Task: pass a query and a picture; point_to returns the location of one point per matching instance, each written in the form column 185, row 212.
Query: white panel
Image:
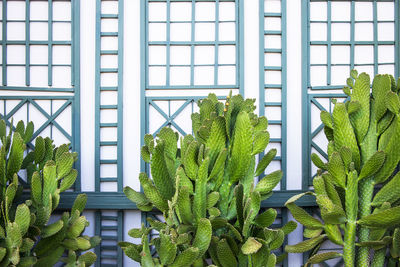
column 39, row 10
column 16, row 76
column 272, row 41
column 158, row 54
column 181, row 11
column 157, row 76
column 108, row 116
column 273, row 77
column 178, row 55
column 205, row 11
column 180, row 76
column 61, row 76
column 157, row 32
column 318, row 54
column 226, row 75
column 386, row 69
column 109, row 79
column 273, row 59
column 364, row 32
column 340, row 54
column 317, row 75
column 39, row 31
column 273, row 95
column 317, row 11
column 385, row 31
column 109, row 98
column 108, row 187
column 364, row 54
column 15, row 10
column 339, row 74
column 226, row 11
column 109, row 43
column 108, row 170
column 20, row 114
column 363, row 11
column 58, row 137
column 204, row 54
column 39, row 76
column 203, row 75
column 15, row 54
column 39, row 54
column 15, row 31
column 205, row 32
column 108, row 134
column 227, row 54
column 61, row 31
column 271, row 6
column 318, row 32
column 109, row 7
column 183, row 119
column 62, row 10
column 272, row 24
column 109, row 25
column 294, row 104
column 340, row 11
column 385, row 11
column 385, row 53
column 157, row 11
column 109, row 61
column 340, row 32
column 227, row 31
column 274, row 131
column 36, row 116
column 180, row 32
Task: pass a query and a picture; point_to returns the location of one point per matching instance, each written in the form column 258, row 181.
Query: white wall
column 131, row 85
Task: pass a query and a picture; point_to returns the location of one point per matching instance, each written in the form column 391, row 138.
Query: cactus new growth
column 357, row 190
column 26, row 238
column 204, row 188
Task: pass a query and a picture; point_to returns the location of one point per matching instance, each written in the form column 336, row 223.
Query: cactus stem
column 351, row 200
column 349, row 244
column 366, row 193
column 379, row 258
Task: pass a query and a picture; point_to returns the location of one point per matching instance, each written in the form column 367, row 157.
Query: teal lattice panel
column 109, row 125
column 316, row 138
column 346, row 35
column 339, row 36
column 27, row 32
column 192, row 44
column 109, row 225
column 109, row 43
column 187, row 45
column 272, row 100
column 40, row 68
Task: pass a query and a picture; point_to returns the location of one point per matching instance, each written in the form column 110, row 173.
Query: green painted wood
column 109, row 255
column 118, row 200
column 263, row 87
column 116, row 126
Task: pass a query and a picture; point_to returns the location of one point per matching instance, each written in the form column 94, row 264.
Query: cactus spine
column 363, row 151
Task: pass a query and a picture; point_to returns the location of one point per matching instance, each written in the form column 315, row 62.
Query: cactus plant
column 356, row 190
column 205, row 191
column 26, row 238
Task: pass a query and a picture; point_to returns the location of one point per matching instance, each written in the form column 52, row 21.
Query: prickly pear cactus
column 357, row 190
column 204, row 188
column 26, row 238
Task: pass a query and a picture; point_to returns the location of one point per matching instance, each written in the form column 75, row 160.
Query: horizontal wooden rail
column 118, row 201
